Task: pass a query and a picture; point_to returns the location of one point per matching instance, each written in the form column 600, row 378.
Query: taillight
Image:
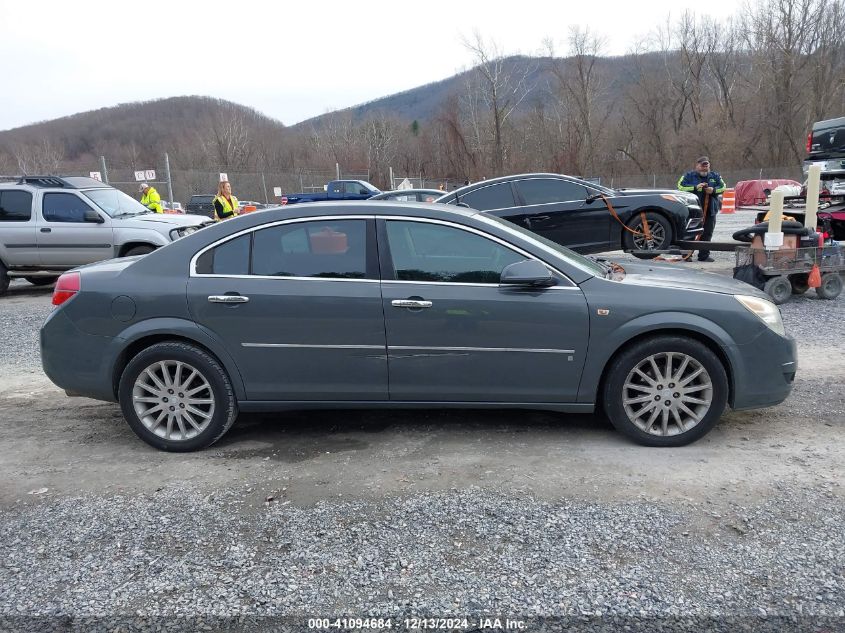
column 809, row 142
column 66, row 287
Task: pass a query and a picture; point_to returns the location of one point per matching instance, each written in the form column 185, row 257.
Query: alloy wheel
column 667, row 394
column 658, row 236
column 173, row 400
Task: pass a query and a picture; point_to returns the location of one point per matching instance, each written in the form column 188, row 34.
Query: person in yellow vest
column 150, row 198
column 225, row 204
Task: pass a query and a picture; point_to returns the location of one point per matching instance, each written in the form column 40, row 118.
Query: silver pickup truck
column 50, row 224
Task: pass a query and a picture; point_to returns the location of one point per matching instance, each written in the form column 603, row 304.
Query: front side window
column 321, row 248
column 434, row 252
column 15, row 206
column 497, row 196
column 545, row 190
column 64, row 207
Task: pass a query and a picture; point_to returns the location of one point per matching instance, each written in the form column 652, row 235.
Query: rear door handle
column 410, row 303
column 46, row 229
column 227, row 299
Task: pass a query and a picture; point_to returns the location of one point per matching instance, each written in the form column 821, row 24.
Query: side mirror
column 93, row 216
column 527, row 273
column 363, row 192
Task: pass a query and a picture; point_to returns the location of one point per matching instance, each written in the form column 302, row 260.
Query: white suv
column 50, row 224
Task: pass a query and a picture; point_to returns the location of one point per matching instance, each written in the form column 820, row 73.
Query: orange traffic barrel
column 729, row 201
column 248, row 208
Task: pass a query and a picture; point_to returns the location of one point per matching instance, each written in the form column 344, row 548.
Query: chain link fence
column 260, row 186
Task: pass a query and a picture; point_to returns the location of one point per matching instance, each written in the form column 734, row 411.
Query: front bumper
column 695, row 223
column 764, row 371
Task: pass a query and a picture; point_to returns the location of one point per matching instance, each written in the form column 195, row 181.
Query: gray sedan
column 407, row 305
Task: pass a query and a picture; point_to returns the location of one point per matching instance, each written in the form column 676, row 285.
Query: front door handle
column 227, row 299
column 410, row 303
column 46, row 229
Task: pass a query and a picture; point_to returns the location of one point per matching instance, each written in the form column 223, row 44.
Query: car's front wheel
column 138, row 250
column 4, row 279
column 177, row 397
column 665, row 391
column 658, row 237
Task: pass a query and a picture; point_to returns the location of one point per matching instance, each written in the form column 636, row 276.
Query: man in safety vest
column 707, row 185
column 225, row 204
column 150, row 198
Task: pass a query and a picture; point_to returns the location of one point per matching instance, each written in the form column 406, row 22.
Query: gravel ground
column 424, row 514
column 461, row 552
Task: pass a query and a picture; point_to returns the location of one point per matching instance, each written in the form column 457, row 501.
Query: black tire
column 779, row 289
column 831, row 286
column 224, row 409
column 4, row 279
column 622, row 368
column 799, row 283
column 661, row 230
column 138, row 250
column 41, row 281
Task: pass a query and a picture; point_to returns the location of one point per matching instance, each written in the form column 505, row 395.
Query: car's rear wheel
column 41, row 281
column 665, row 391
column 659, row 235
column 138, row 250
column 177, row 397
column 4, row 279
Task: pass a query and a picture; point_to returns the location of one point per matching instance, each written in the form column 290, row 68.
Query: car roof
column 493, row 181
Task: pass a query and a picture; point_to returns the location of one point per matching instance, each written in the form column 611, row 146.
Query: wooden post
column 813, row 185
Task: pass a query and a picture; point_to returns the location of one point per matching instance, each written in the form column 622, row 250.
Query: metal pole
column 264, row 184
column 337, row 170
column 392, row 183
column 105, row 171
column 169, row 179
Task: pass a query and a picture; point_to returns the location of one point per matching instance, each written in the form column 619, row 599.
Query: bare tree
column 39, row 158
column 501, row 85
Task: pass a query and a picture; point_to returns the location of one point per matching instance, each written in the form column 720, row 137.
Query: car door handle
column 46, row 229
column 410, row 303
column 227, row 299
column 540, row 218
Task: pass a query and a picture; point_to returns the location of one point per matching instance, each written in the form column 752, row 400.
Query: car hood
column 174, row 220
column 671, row 276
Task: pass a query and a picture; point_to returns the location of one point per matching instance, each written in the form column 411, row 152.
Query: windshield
column 115, row 202
column 571, row 257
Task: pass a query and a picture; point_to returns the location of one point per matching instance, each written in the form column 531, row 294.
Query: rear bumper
column 77, row 362
column 764, row 372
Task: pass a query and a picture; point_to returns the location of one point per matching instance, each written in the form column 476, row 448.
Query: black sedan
column 364, row 304
column 586, row 217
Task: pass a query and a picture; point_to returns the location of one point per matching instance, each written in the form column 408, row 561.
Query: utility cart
column 786, row 271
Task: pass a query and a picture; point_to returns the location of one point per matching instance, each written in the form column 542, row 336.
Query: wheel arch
column 138, row 341
column 125, row 248
column 715, row 340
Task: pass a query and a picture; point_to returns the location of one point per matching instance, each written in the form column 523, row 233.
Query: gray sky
column 289, row 60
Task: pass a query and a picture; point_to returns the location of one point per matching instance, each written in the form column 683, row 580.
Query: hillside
column 425, row 102
column 136, row 130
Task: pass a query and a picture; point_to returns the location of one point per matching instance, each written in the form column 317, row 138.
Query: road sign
column 277, row 191
column 224, row 177
column 151, row 174
column 96, row 175
column 140, row 175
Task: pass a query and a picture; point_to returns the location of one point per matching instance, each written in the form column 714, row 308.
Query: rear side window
column 230, row 258
column 64, row 207
column 15, row 206
column 545, row 190
column 334, row 249
column 497, row 196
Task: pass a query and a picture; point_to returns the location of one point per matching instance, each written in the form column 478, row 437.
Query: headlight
column 175, row 234
column 766, row 310
column 688, row 199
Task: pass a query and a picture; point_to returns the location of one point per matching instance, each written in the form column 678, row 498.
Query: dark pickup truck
column 201, row 205
column 335, row 190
